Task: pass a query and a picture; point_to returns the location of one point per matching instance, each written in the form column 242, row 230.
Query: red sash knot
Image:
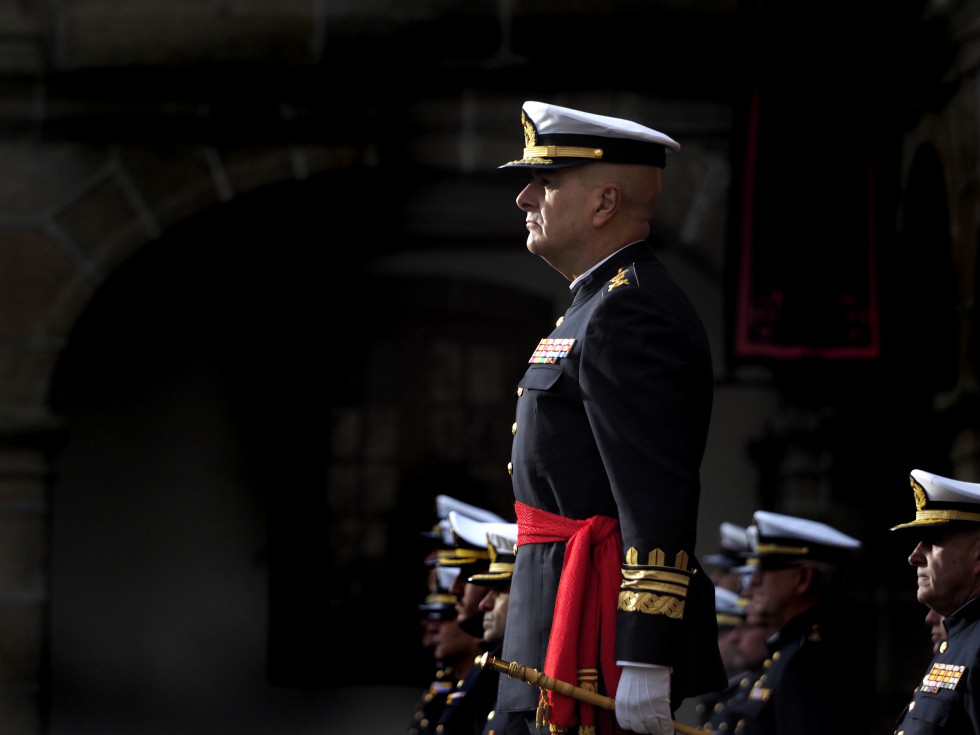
column 583, row 631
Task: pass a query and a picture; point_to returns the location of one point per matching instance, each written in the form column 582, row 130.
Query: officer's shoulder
column 625, row 277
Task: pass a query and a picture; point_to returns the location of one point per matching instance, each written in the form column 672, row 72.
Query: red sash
column 583, row 631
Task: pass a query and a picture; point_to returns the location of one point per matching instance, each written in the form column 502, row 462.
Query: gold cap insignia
column 920, row 495
column 530, row 134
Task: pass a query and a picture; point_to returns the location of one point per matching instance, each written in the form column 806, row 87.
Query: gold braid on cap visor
column 938, row 516
column 778, row 549
column 544, row 153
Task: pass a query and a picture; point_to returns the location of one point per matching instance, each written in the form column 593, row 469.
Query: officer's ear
column 608, row 200
column 805, row 578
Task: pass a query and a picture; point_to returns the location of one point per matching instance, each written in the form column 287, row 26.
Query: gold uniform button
column 911, row 706
column 513, row 429
column 510, row 468
column 560, row 320
column 520, row 391
column 942, row 647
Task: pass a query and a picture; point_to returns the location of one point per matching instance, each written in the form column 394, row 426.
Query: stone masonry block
column 172, row 182
column 34, row 271
column 39, row 176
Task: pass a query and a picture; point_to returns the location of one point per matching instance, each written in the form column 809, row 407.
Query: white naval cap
column 443, row 531
column 557, row 137
column 733, row 543
column 941, row 501
column 501, row 540
column 469, row 551
column 445, row 504
column 441, row 604
column 776, row 540
column 730, row 609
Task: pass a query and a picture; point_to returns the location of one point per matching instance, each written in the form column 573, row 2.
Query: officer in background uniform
column 750, row 641
column 946, row 555
column 795, row 589
column 495, row 606
column 454, row 649
column 472, row 700
column 611, row 421
column 732, row 544
column 730, row 613
column 438, row 611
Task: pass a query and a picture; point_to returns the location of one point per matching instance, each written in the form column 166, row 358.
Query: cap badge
column 920, row 495
column 530, row 134
column 942, row 676
column 550, row 350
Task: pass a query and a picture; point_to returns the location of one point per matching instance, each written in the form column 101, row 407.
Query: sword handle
column 543, row 681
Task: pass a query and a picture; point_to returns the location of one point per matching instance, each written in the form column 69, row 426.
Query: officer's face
column 774, row 594
column 468, row 605
column 495, row 606
column 557, row 215
column 947, row 568
column 452, row 643
column 750, row 642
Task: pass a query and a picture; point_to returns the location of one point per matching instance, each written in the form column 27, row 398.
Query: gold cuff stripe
column 946, row 515
column 500, row 567
column 561, row 151
column 649, row 586
column 656, row 575
column 650, row 604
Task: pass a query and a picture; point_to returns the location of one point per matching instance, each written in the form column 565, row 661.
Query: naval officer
column 611, row 421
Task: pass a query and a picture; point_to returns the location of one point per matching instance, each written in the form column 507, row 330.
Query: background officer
column 946, row 557
column 795, row 591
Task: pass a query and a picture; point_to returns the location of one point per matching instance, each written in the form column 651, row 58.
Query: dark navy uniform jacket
column 948, row 698
column 469, row 706
column 614, row 424
column 810, row 667
column 434, row 701
column 714, row 711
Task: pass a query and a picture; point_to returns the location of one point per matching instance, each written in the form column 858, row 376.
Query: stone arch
column 288, row 384
column 72, row 212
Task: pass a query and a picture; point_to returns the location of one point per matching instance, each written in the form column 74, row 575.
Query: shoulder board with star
column 626, row 276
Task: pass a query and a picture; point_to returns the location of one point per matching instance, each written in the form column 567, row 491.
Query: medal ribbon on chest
column 942, row 676
column 550, row 350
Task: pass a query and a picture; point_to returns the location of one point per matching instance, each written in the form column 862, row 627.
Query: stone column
column 25, row 469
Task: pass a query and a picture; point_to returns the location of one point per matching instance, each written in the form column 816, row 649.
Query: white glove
column 643, row 699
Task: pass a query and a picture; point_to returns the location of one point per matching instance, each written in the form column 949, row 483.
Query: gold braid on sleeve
column 654, row 588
